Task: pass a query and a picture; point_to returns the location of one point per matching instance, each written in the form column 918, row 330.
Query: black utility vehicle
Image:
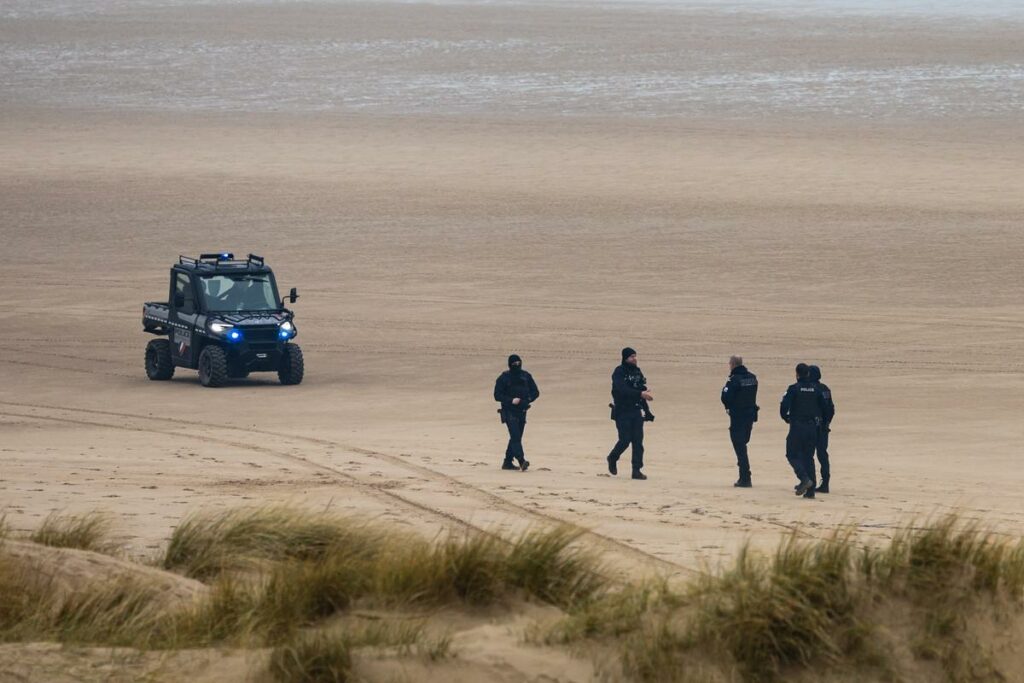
column 223, row 317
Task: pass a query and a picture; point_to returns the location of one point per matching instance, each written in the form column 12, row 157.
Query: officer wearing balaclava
column 516, row 391
column 630, row 411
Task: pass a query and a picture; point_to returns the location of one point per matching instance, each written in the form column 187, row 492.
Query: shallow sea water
column 522, row 72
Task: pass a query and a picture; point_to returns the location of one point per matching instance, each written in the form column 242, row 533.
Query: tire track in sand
column 496, row 502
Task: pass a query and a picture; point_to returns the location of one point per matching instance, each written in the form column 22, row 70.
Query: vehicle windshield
column 227, row 293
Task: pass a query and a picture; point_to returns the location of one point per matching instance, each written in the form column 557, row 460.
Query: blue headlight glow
column 234, row 334
column 286, row 330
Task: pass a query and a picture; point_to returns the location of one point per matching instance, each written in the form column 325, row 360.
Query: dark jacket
column 739, row 395
column 627, row 385
column 516, row 385
column 830, row 406
column 803, row 401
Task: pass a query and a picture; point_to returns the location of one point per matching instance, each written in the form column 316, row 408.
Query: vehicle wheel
column 213, row 367
column 159, row 365
column 292, row 367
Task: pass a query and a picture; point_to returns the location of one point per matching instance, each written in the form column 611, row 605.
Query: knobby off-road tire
column 292, row 366
column 213, row 367
column 159, row 365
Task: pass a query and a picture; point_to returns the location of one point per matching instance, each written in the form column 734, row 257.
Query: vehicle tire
column 213, row 367
column 292, row 366
column 159, row 366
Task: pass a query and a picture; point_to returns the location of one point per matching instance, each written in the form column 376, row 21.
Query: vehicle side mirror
column 293, row 295
column 179, row 300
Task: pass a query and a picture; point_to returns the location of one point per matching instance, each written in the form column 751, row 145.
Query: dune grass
column 206, row 545
column 947, row 570
column 281, row 577
column 20, row 592
column 320, row 658
column 317, row 564
column 327, row 656
column 90, row 531
column 276, row 571
column 813, row 604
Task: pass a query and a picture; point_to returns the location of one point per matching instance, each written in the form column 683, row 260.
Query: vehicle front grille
column 262, row 334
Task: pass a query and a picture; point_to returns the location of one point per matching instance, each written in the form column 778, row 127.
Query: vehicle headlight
column 286, row 330
column 219, row 327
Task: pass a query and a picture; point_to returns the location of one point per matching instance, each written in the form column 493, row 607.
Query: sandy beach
column 557, row 181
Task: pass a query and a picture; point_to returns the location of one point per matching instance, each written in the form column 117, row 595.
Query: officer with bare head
column 739, row 396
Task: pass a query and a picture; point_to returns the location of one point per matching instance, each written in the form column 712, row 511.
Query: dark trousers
column 822, row 446
column 800, row 444
column 739, row 433
column 516, row 423
column 631, row 432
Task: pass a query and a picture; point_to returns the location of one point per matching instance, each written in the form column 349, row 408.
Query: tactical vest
column 805, row 404
column 746, row 393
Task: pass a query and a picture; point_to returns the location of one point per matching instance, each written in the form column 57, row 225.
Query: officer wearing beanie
column 515, row 390
column 826, row 427
column 739, row 396
column 630, row 411
column 803, row 407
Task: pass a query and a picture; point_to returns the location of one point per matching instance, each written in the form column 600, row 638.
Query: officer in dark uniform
column 739, row 396
column 630, row 411
column 826, row 427
column 516, row 391
column 803, row 407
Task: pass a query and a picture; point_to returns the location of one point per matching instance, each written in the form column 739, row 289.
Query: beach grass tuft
column 90, row 531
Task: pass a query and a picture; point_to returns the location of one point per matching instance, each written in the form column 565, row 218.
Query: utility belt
column 745, row 414
column 624, row 410
column 639, row 408
column 805, row 420
column 504, row 413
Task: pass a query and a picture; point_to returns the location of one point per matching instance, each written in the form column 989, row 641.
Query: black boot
column 524, row 464
column 613, row 468
column 743, row 483
column 823, row 488
column 637, row 474
column 804, row 486
column 810, row 493
column 507, row 465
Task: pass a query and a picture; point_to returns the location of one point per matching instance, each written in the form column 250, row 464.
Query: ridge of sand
column 70, row 569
